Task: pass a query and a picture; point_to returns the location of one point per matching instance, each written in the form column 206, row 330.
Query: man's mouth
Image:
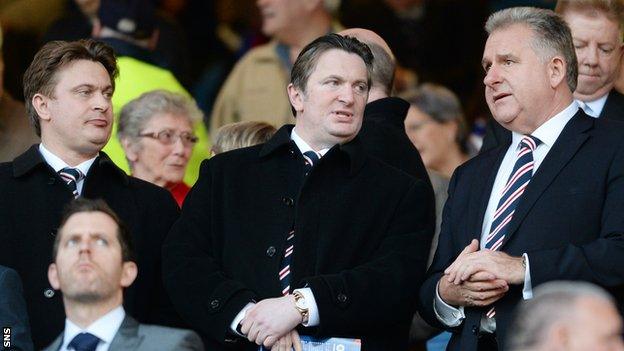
column 499, row 96
column 343, row 113
column 98, row 122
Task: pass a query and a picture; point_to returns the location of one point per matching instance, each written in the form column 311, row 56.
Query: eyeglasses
column 168, row 137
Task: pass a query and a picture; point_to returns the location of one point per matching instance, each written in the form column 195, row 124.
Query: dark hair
column 41, row 75
column 81, row 205
column 309, row 56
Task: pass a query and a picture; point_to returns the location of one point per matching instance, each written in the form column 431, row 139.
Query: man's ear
column 557, row 71
column 41, row 104
column 128, row 274
column 296, row 98
column 53, row 276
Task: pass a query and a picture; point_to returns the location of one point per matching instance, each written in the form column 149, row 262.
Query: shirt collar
column 303, row 146
column 550, row 130
column 57, row 163
column 597, row 105
column 104, row 328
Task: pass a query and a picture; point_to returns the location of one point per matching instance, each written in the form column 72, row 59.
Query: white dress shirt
column 548, row 134
column 313, row 314
column 57, row 164
column 105, row 328
column 593, row 108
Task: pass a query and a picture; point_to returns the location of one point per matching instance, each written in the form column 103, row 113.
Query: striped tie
column 511, row 195
column 310, row 158
column 71, row 176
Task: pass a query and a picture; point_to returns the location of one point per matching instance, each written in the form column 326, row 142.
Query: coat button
column 271, row 251
column 342, row 298
column 475, row 330
column 288, row 201
column 215, row 304
column 51, row 180
column 49, row 293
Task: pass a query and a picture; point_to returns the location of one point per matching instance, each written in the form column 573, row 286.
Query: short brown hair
column 40, row 77
column 241, row 134
column 81, row 205
column 612, row 9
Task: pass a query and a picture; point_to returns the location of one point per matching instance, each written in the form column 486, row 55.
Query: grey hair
column 551, row 35
column 135, row 115
column 443, row 106
column 552, row 302
column 383, row 68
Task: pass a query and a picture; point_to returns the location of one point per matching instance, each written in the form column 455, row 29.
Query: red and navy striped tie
column 310, row 158
column 71, row 176
column 511, row 195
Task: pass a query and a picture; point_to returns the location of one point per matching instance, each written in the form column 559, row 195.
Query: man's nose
column 492, row 76
column 346, row 95
column 101, row 103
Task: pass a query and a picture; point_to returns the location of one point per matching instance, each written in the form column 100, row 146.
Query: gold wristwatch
column 301, row 306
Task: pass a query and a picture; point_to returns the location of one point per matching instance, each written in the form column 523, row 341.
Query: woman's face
column 433, row 140
column 163, row 151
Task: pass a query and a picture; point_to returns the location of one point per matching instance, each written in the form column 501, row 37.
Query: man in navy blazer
column 13, row 315
column 564, row 221
column 597, row 33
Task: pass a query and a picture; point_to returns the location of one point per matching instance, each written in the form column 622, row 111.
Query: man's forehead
column 508, row 40
column 334, row 62
column 90, row 222
column 83, row 72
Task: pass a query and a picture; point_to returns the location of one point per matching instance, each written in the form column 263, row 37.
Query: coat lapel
column 564, row 149
column 127, row 337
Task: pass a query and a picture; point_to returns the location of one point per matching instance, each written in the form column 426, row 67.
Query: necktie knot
column 84, row 342
column 311, row 158
column 71, row 176
column 530, row 142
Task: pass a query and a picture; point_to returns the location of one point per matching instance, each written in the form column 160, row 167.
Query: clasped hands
column 272, row 323
column 480, row 277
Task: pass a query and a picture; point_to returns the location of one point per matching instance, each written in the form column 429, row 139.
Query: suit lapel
column 564, row 149
column 127, row 337
column 481, row 190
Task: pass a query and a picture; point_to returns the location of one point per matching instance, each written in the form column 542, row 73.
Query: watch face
column 301, row 303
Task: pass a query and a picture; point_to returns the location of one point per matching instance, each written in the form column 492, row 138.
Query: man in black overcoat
column 305, row 234
column 68, row 89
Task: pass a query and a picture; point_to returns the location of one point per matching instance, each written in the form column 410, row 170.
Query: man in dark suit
column 13, row 313
column 305, row 233
column 93, row 262
column 68, row 89
column 597, row 33
column 545, row 206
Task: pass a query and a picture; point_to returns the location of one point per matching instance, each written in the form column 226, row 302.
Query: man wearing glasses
column 68, row 89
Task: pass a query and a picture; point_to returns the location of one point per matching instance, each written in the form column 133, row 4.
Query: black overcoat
column 361, row 241
column 32, row 197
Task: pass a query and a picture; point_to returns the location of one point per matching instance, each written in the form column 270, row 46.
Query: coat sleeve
column 13, row 310
column 201, row 292
column 381, row 291
column 600, row 261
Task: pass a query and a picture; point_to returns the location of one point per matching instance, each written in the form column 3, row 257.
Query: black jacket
column 33, row 197
column 361, row 241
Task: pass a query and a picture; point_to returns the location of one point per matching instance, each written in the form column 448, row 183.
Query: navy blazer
column 570, row 219
column 13, row 313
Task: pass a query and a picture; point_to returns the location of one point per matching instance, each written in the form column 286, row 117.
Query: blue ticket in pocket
column 327, row 344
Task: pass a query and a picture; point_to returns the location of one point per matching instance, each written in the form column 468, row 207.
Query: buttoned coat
column 32, row 197
column 361, row 241
column 569, row 220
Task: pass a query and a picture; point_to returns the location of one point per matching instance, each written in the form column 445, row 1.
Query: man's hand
column 497, row 263
column 288, row 342
column 481, row 290
column 270, row 319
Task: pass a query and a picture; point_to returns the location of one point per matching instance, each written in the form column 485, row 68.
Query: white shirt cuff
column 527, row 290
column 239, row 317
column 313, row 314
column 447, row 314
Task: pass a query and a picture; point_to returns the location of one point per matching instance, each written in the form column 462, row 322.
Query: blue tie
column 310, row 158
column 511, row 196
column 84, row 342
column 71, row 176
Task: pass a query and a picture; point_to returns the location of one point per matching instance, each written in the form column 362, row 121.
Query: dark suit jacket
column 13, row 311
column 133, row 336
column 569, row 220
column 361, row 241
column 496, row 135
column 33, row 197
